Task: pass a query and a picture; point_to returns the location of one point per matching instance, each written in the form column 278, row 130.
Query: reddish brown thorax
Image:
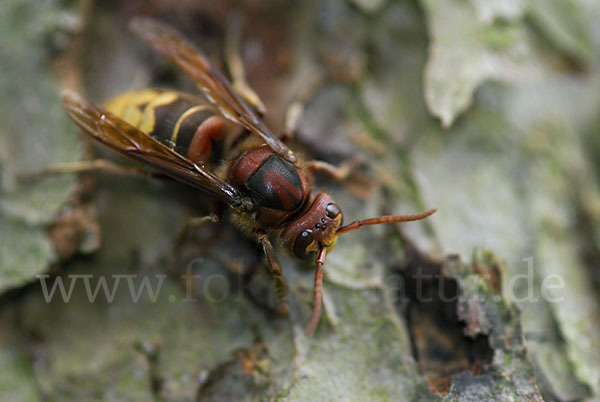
column 278, row 188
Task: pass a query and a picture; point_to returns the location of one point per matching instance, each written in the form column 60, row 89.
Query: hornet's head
column 311, row 235
column 314, row 230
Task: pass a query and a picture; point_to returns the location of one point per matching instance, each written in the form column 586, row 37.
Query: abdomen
column 183, row 122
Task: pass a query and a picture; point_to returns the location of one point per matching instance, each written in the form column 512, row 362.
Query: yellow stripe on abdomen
column 147, row 119
column 187, row 113
column 130, row 106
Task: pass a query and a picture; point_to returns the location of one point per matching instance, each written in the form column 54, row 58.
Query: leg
column 234, row 266
column 191, row 224
column 275, row 270
column 338, row 173
column 85, row 166
column 295, row 109
column 236, row 66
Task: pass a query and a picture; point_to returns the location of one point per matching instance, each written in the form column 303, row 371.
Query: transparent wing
column 211, row 81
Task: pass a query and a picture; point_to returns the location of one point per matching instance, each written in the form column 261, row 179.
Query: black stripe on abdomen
column 166, row 118
column 188, row 126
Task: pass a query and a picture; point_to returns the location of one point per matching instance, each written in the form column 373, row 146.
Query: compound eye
column 304, row 239
column 332, row 210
